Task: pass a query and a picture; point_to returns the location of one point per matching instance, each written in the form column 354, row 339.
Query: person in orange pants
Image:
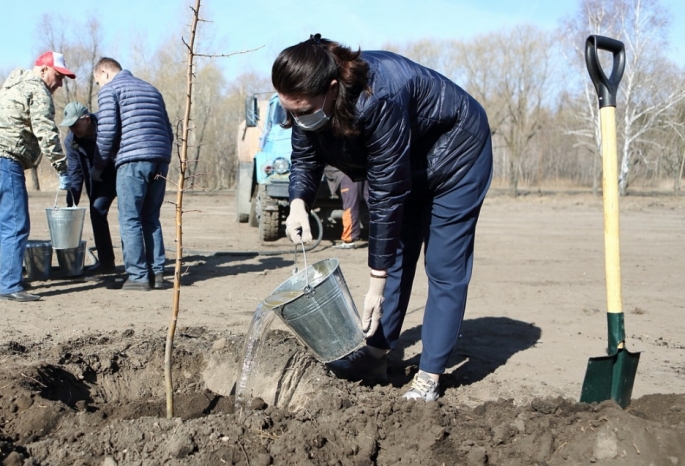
column 352, row 194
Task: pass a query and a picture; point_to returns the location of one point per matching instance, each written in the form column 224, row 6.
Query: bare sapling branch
column 183, row 162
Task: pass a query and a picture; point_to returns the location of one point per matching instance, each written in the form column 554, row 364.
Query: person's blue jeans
column 141, row 193
column 445, row 224
column 14, row 225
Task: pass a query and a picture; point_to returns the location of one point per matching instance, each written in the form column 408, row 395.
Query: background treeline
column 533, row 84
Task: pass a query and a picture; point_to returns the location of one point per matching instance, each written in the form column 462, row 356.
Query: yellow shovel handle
column 612, row 262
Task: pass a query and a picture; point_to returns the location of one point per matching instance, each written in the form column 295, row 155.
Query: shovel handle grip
column 607, row 88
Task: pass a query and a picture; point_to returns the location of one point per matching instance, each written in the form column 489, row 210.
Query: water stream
column 254, row 340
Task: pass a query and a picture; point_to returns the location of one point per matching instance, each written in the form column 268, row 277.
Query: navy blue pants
column 444, row 224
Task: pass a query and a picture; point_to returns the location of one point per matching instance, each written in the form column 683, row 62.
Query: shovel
column 612, row 376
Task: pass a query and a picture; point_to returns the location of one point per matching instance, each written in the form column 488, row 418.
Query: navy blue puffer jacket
column 133, row 124
column 420, row 131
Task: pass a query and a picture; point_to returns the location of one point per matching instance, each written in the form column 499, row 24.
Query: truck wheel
column 253, row 219
column 243, row 218
column 243, row 191
column 269, row 219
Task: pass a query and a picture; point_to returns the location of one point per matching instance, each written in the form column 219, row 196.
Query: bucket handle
column 57, row 197
column 308, row 290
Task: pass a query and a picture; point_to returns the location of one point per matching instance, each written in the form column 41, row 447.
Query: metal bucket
column 71, row 261
column 38, row 260
column 66, row 226
column 325, row 318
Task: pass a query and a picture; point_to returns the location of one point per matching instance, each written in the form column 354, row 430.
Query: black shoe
column 20, row 296
column 101, row 269
column 135, row 286
column 361, row 365
column 158, row 282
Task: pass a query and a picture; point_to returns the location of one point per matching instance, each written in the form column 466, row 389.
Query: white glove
column 373, row 310
column 297, row 224
column 64, row 183
column 95, row 174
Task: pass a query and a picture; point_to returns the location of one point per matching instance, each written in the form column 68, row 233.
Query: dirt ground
column 81, row 372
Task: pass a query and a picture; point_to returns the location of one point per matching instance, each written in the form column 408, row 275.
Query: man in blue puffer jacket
column 134, row 130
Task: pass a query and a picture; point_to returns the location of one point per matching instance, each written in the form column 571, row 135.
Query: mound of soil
column 100, row 400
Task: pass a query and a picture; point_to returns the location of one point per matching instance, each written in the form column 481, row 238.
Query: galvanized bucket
column 317, row 306
column 71, row 261
column 38, row 260
column 66, row 226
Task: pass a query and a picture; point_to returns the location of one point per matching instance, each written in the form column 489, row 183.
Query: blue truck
column 263, row 170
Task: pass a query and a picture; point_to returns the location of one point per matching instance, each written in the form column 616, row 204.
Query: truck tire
column 253, row 219
column 243, row 191
column 242, row 218
column 269, row 219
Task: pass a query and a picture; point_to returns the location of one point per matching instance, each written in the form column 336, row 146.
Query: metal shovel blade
column 610, row 378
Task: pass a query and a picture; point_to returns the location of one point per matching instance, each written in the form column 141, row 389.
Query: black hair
column 309, row 67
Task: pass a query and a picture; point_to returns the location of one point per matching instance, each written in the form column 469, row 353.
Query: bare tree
column 644, row 24
column 183, row 163
column 81, row 45
column 593, row 17
column 643, row 95
column 508, row 73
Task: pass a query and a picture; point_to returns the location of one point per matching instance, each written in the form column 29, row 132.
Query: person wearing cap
column 134, row 131
column 27, row 131
column 82, row 149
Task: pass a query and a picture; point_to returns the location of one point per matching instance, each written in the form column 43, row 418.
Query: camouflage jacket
column 27, row 122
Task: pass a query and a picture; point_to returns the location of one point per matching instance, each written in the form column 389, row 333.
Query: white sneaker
column 423, row 387
column 344, row 245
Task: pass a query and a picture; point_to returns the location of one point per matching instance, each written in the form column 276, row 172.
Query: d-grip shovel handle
column 607, row 88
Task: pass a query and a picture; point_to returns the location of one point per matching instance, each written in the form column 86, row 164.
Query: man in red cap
column 27, row 131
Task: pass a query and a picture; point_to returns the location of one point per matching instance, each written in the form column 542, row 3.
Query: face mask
column 313, row 121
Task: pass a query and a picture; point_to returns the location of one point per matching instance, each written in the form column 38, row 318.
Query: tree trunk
column 513, row 179
column 34, row 185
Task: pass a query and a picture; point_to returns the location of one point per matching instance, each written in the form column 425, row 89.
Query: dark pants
column 101, row 196
column 445, row 223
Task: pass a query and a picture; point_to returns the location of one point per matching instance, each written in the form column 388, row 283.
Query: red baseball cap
column 55, row 60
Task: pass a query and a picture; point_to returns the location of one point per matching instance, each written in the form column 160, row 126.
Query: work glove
column 373, row 310
column 64, row 183
column 297, row 224
column 95, row 174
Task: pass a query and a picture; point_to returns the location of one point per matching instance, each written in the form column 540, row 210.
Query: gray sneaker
column 422, row 388
column 158, row 282
column 361, row 365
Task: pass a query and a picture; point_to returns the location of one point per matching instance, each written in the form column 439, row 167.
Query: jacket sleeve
column 74, row 169
column 109, row 126
column 307, row 168
column 171, row 131
column 42, row 111
column 387, row 132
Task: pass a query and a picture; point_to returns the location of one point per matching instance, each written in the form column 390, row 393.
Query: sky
column 240, row 26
